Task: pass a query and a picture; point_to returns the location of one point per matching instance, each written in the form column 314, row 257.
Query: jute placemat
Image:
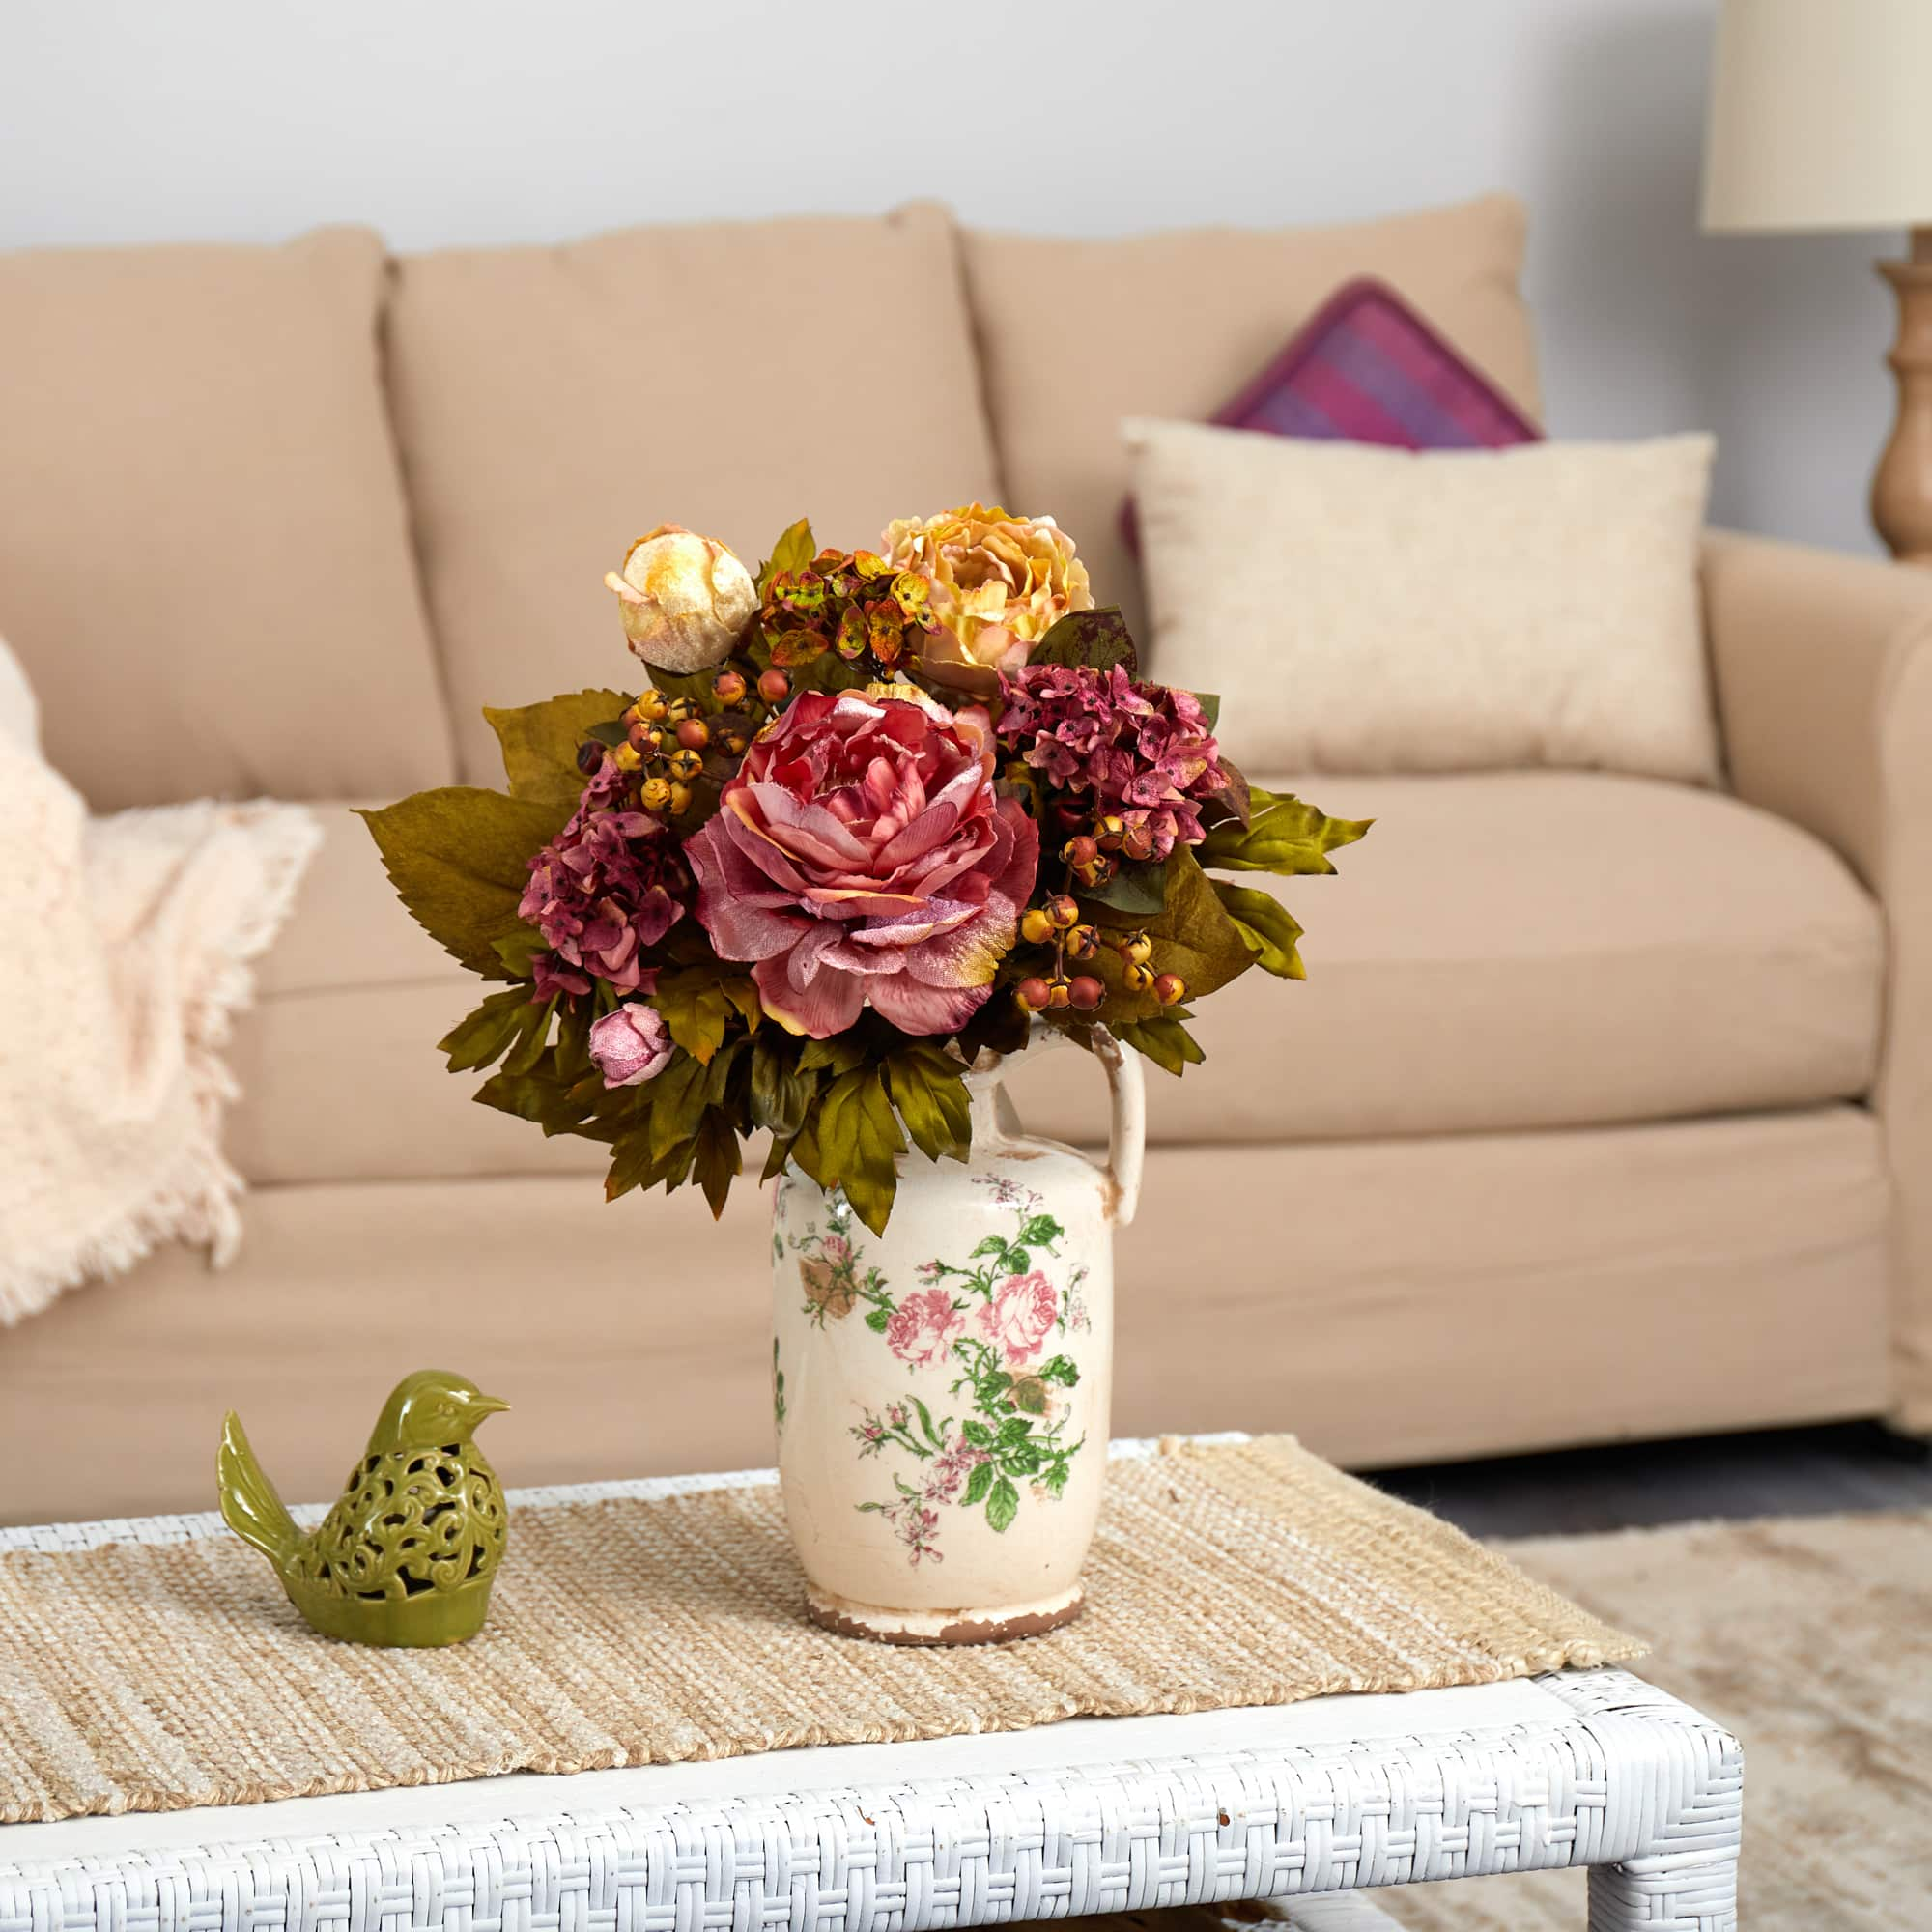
column 150, row 1676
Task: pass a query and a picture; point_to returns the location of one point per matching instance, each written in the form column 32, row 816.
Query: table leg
column 1668, row 1893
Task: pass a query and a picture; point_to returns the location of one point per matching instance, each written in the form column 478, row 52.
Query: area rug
column 1811, row 1639
column 165, row 1670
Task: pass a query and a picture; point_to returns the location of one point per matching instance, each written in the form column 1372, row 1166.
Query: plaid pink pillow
column 1367, row 368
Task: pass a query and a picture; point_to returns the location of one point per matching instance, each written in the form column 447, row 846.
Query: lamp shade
column 1821, row 115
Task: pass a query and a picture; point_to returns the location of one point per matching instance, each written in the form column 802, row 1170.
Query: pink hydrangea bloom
column 1020, row 1315
column 861, row 854
column 606, row 886
column 922, row 1326
column 631, row 1045
column 1141, row 750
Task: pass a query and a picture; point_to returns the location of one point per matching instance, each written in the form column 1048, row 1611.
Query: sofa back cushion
column 553, row 403
column 1076, row 335
column 205, row 560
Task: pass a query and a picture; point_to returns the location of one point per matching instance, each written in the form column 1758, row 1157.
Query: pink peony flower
column 631, row 1045
column 1020, row 1315
column 922, row 1326
column 860, row 854
column 607, row 883
column 1140, row 750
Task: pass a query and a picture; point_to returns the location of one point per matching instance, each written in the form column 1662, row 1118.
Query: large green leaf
column 540, row 742
column 1284, row 835
column 858, row 1141
column 1267, row 926
column 1192, row 935
column 928, row 1087
column 459, row 859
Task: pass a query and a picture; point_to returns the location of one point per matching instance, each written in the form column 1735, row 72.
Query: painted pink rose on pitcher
column 861, row 854
column 922, row 1326
column 1020, row 1315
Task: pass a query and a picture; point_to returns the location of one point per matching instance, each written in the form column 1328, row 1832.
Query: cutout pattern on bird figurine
column 405, row 1556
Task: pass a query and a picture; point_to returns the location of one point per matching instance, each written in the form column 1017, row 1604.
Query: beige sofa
column 1615, row 1121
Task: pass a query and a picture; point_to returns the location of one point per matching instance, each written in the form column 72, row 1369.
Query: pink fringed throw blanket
column 125, row 944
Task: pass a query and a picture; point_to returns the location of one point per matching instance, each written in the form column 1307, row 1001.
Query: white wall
column 127, row 120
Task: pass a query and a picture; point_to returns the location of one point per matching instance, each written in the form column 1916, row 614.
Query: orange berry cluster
column 665, row 739
column 1059, row 923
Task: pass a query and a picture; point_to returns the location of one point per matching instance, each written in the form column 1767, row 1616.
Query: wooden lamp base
column 1901, row 493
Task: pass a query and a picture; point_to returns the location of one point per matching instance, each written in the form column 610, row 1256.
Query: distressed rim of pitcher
column 1004, row 1623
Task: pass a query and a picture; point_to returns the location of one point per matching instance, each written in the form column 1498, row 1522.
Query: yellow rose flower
column 685, row 599
column 997, row 584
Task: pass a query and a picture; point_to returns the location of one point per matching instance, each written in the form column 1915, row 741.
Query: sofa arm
column 1823, row 666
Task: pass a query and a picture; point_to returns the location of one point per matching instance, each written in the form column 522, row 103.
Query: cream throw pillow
column 1372, row 610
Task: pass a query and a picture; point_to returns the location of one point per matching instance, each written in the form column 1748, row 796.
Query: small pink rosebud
column 631, row 1045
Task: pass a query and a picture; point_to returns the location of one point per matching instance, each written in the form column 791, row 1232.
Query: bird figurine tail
column 249, row 1504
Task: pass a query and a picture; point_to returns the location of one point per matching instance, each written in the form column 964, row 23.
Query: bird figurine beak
column 488, row 1404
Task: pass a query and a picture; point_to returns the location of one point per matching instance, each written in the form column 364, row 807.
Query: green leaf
column 1003, row 1504
column 1210, row 702
column 993, row 1244
column 979, row 1482
column 1041, row 1232
column 1163, row 1039
column 532, row 1037
column 459, row 859
column 933, row 1435
column 540, row 742
column 780, row 1093
column 696, row 1008
column 1061, row 1369
column 677, row 1103
column 977, row 1434
column 839, row 1053
column 859, row 1140
column 1268, row 927
column 716, row 1159
column 928, row 1087
column 878, row 1319
column 1284, row 835
column 1015, row 1261
column 1016, row 1428
column 1139, row 888
column 519, row 950
column 487, row 1033
column 1097, row 639
column 792, row 552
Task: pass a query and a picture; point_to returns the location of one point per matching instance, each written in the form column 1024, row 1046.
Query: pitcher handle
column 1126, row 1093
column 1127, row 1141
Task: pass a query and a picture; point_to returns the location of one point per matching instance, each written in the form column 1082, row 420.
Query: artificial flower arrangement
column 875, row 814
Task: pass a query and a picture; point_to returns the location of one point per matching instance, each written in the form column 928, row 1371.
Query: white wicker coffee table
column 1307, row 1805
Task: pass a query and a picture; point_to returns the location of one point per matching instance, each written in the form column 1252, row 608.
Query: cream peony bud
column 685, row 599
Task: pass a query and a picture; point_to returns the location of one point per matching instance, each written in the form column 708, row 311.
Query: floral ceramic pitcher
column 942, row 1391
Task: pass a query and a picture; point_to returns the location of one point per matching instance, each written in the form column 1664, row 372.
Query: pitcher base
column 1004, row 1622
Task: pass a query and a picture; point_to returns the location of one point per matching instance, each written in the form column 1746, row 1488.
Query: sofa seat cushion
column 205, row 560
column 554, row 404
column 1523, row 950
column 1077, row 335
column 1503, row 952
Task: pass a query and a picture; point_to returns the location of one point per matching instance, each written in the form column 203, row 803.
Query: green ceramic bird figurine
column 407, row 1554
